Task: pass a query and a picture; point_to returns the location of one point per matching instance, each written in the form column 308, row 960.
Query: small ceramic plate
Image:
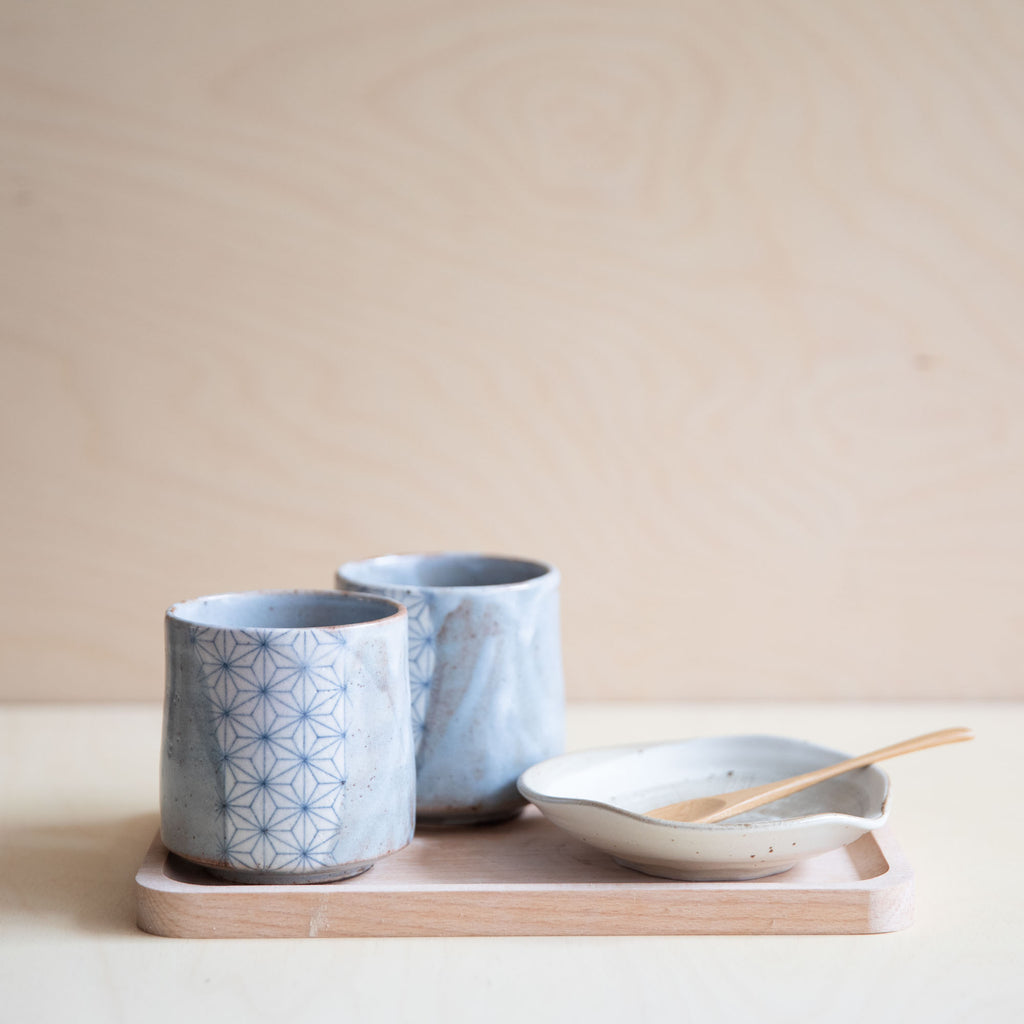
column 600, row 796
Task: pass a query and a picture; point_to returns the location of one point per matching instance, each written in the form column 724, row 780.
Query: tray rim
column 883, row 902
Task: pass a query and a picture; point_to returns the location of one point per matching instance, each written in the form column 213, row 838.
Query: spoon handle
column 727, row 805
column 930, row 739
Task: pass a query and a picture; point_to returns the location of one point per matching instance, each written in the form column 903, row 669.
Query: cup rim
column 547, row 571
column 396, row 610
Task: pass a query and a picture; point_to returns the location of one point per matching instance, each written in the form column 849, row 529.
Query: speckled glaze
column 287, row 750
column 486, row 674
column 601, row 796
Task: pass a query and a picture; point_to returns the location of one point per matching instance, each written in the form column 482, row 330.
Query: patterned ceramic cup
column 287, row 749
column 485, row 666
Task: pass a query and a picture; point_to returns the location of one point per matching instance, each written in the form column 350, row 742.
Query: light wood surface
column 528, row 878
column 716, row 306
column 78, row 809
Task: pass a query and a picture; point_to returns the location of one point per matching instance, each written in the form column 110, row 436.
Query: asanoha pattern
column 279, row 710
column 422, row 656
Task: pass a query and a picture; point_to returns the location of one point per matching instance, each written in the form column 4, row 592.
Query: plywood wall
column 719, row 306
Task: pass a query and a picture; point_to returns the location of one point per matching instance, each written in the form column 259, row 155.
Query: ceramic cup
column 287, row 749
column 485, row 666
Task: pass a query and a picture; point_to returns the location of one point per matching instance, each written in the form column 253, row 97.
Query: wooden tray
column 526, row 877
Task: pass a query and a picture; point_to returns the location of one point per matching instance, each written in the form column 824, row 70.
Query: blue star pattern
column 421, row 657
column 278, row 702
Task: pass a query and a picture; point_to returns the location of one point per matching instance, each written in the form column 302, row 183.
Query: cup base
column 457, row 819
column 247, row 876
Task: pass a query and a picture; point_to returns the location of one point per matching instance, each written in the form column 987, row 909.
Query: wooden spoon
column 707, row 809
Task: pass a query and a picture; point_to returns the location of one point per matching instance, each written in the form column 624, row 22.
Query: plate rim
column 868, row 823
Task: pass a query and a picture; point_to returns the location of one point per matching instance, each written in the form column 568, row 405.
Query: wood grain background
column 719, row 306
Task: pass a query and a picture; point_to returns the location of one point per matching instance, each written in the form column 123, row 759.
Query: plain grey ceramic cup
column 287, row 752
column 485, row 668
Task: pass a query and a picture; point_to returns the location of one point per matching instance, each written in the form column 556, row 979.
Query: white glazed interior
column 283, row 609
column 444, row 571
column 638, row 778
